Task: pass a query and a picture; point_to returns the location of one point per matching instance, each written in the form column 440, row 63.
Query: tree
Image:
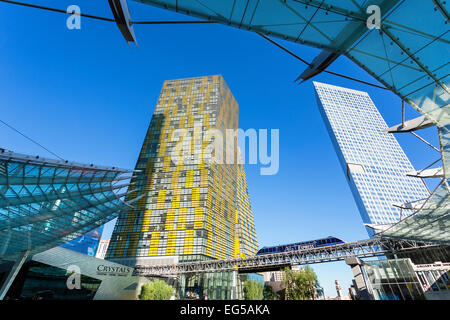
column 156, row 290
column 319, row 290
column 300, row 285
column 253, row 290
column 269, row 294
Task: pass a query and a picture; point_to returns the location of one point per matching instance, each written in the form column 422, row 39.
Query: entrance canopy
column 44, row 202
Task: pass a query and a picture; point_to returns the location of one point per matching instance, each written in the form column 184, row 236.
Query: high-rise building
column 373, row 161
column 246, row 243
column 102, row 249
column 273, row 276
column 193, row 204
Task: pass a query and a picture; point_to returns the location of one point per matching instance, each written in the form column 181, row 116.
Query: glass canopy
column 408, row 54
column 44, row 203
column 432, row 221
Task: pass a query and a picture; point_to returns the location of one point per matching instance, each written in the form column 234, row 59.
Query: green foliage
column 269, row 294
column 156, row 290
column 319, row 290
column 253, row 290
column 300, row 285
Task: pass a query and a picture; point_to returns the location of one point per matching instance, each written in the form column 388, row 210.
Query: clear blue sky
column 88, row 97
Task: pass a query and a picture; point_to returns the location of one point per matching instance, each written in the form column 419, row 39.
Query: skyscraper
column 373, row 161
column 192, row 206
column 246, row 242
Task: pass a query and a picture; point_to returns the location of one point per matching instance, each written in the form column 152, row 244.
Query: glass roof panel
column 432, row 221
column 36, row 215
column 404, row 57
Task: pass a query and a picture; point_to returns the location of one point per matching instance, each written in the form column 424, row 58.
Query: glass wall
column 38, row 281
column 434, row 280
column 211, row 286
column 393, row 280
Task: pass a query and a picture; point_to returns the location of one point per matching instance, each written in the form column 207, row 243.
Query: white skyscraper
column 102, row 249
column 373, row 161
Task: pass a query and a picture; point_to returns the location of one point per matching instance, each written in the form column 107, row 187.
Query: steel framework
column 46, row 202
column 362, row 249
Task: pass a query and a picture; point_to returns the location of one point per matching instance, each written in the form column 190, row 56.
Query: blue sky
column 88, row 97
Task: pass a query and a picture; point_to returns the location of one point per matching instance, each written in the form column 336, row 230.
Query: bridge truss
column 260, row 263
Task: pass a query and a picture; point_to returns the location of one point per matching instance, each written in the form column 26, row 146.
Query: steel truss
column 362, row 249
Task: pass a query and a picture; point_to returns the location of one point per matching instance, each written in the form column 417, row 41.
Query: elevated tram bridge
column 269, row 262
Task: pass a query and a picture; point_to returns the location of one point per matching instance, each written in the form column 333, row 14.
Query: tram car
column 330, row 241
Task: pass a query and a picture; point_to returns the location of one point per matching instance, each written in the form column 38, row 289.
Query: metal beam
column 414, row 58
column 76, row 192
column 46, row 202
column 442, row 9
column 427, row 173
column 411, row 125
column 122, row 17
column 7, row 155
column 13, row 274
column 26, row 180
column 318, row 65
column 378, row 227
column 362, row 249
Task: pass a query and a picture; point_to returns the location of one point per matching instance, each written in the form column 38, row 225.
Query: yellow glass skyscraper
column 193, row 204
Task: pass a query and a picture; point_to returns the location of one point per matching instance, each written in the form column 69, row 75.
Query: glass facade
column 195, row 204
column 373, row 161
column 38, row 281
column 393, row 280
column 60, row 273
column 213, row 286
column 191, row 205
column 425, row 255
column 45, row 203
column 245, row 228
column 432, row 222
column 437, row 280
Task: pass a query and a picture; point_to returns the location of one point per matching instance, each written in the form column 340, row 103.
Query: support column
column 234, row 293
column 13, row 273
column 362, row 289
column 181, row 285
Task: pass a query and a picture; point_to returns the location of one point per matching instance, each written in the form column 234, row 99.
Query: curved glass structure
column 45, row 203
column 432, row 221
column 408, row 53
